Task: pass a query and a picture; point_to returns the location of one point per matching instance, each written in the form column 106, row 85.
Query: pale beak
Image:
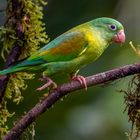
column 119, row 37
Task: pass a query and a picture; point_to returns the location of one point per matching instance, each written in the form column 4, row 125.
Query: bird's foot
column 80, row 79
column 49, row 83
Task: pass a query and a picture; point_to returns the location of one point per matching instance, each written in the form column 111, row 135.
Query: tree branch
column 65, row 89
column 13, row 20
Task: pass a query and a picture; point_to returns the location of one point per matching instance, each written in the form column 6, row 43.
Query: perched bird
column 72, row 50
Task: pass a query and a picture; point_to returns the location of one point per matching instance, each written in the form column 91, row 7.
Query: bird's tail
column 21, row 66
column 11, row 70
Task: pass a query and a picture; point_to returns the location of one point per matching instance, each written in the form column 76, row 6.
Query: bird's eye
column 112, row 27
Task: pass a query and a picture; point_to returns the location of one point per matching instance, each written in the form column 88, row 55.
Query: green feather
column 72, row 50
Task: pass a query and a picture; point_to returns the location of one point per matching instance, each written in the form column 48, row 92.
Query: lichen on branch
column 24, row 27
column 22, row 34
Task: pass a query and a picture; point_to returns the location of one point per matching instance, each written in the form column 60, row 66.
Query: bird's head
column 110, row 29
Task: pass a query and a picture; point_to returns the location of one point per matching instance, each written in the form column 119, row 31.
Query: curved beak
column 119, row 37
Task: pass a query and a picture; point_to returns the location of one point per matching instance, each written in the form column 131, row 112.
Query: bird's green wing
column 65, row 47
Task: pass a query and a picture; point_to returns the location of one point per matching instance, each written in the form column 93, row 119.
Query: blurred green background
column 98, row 113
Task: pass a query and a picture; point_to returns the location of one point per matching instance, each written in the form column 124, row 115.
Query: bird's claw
column 49, row 83
column 80, row 79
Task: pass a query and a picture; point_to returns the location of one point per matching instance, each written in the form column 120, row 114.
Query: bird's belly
column 91, row 55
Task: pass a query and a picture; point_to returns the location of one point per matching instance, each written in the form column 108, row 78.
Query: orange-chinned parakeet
column 72, row 50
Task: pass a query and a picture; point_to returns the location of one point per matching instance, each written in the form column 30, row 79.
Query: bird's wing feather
column 66, row 47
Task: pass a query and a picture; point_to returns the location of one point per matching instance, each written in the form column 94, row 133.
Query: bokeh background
column 98, row 113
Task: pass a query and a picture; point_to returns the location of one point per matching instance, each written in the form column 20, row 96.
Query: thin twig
column 65, row 89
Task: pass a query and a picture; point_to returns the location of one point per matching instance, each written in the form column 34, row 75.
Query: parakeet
column 72, row 50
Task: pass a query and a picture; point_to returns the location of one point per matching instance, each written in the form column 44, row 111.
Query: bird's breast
column 96, row 45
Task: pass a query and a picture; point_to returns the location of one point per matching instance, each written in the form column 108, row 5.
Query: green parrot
column 72, row 50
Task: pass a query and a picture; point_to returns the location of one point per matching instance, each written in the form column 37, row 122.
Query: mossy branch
column 22, row 34
column 16, row 48
column 66, row 89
